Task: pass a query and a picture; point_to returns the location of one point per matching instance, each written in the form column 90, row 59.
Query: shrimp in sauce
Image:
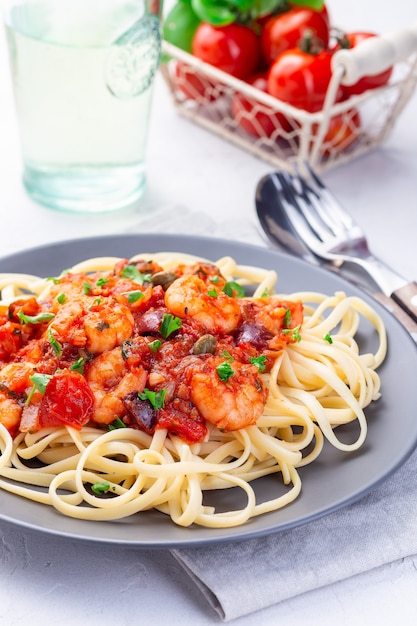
column 216, row 311
column 98, row 326
column 111, row 380
column 229, row 404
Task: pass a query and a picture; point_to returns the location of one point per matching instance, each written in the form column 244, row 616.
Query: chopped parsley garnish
column 56, row 346
column 287, row 318
column 259, row 361
column 61, row 298
column 40, row 382
column 87, row 288
column 265, row 293
column 133, row 296
column 227, row 356
column 233, row 289
column 35, row 319
column 132, row 273
column 57, row 279
column 100, row 487
column 117, row 423
column 102, row 281
column 224, row 371
column 169, row 325
column 213, row 293
column 294, row 332
column 214, row 279
column 328, row 338
column 78, row 366
column 154, row 345
column 156, row 398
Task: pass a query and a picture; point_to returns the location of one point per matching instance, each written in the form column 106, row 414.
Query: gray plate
column 335, row 480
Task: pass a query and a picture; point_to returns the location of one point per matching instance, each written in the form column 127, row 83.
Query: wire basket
column 278, row 132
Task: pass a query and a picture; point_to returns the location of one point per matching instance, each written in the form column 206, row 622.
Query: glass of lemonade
column 83, row 72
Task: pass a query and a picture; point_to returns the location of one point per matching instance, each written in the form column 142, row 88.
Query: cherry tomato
column 234, row 48
column 193, row 84
column 342, row 132
column 284, row 31
column 254, row 117
column 350, row 40
column 68, row 400
column 180, row 25
column 301, row 79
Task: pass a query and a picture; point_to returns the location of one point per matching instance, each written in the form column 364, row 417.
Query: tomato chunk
column 68, row 400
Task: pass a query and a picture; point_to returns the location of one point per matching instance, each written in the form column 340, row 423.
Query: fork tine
column 295, row 186
column 330, row 204
column 319, row 205
column 290, row 201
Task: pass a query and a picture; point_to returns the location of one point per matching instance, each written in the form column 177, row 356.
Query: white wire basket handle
column 363, row 121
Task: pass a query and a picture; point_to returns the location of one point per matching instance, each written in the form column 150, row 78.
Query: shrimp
column 273, row 314
column 231, row 405
column 190, row 296
column 10, row 413
column 209, row 273
column 98, row 325
column 14, row 383
column 110, row 380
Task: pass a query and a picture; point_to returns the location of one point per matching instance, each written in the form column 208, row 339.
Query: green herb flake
column 61, row 298
column 287, row 318
column 35, row 319
column 40, row 382
column 78, row 366
column 100, row 487
column 233, row 289
column 133, row 296
column 265, row 293
column 132, row 273
column 328, row 338
column 294, row 332
column 87, row 288
column 57, row 279
column 117, row 423
column 156, row 398
column 154, row 345
column 259, row 361
column 224, row 371
column 169, row 325
column 56, row 346
column 213, row 293
column 214, row 279
column 102, row 281
column 227, row 356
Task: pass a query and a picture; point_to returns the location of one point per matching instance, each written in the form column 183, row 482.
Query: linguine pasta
column 316, row 379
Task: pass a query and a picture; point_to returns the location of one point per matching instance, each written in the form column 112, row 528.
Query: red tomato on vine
column 193, row 84
column 234, row 48
column 301, row 79
column 342, row 132
column 284, row 31
column 256, row 118
column 351, row 40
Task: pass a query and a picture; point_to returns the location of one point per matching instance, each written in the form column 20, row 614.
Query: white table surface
column 46, row 580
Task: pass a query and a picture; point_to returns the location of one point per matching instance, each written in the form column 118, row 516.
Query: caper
column 206, row 344
column 164, row 279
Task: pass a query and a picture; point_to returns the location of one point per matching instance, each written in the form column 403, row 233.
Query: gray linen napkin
column 240, row 578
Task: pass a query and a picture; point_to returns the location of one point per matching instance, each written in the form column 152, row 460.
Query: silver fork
column 331, row 234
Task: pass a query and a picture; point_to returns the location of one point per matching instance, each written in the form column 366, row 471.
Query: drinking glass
column 83, row 73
